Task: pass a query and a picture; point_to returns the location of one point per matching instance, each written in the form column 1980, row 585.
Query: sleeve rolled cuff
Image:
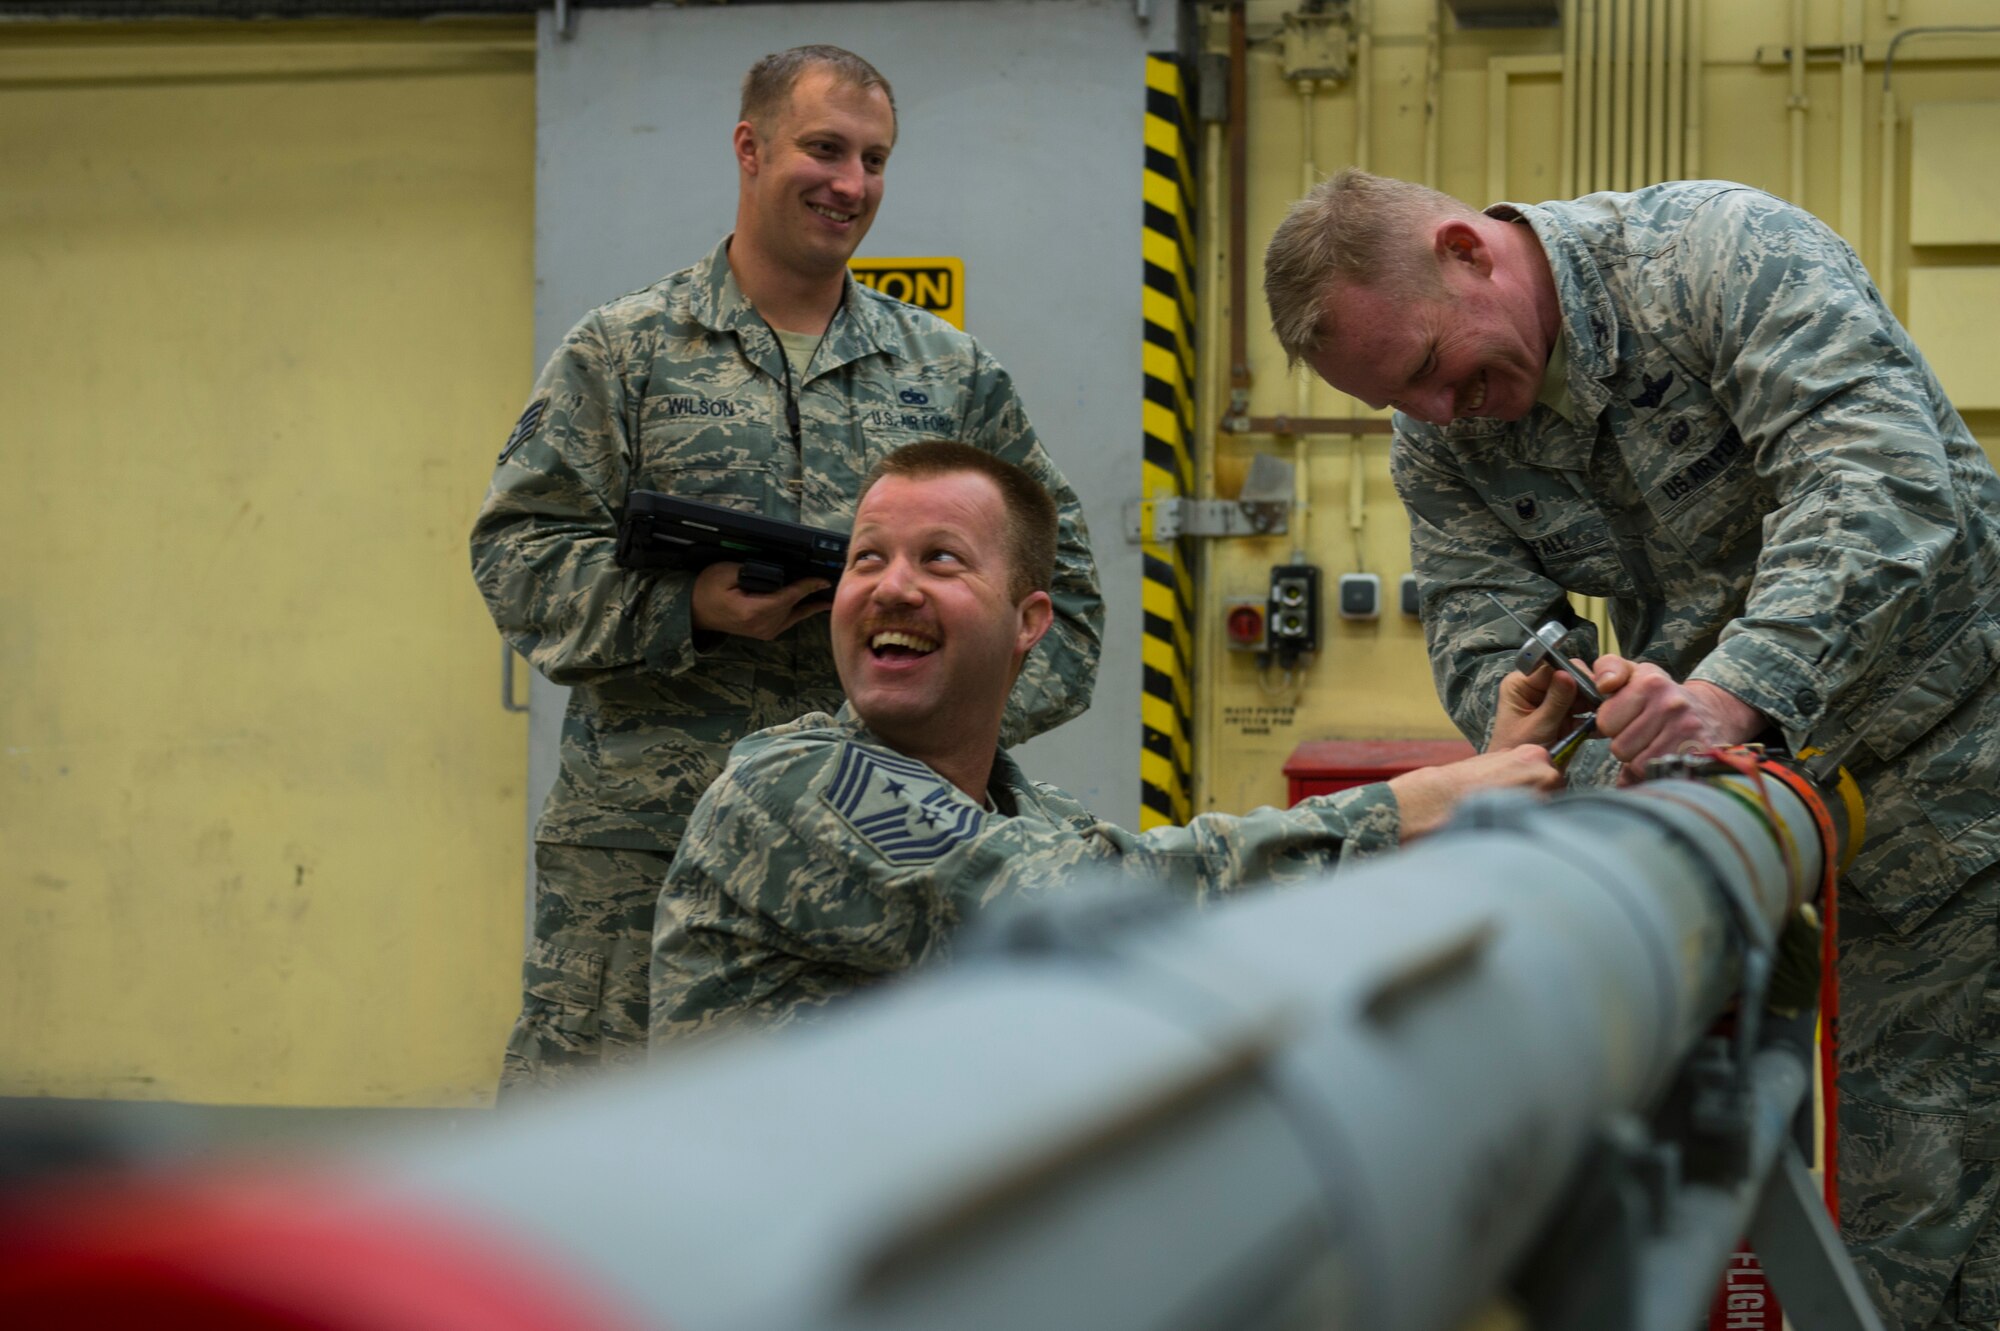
column 1782, row 685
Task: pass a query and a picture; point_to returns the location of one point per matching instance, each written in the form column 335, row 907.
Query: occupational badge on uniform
column 1657, row 389
column 907, row 812
column 524, row 427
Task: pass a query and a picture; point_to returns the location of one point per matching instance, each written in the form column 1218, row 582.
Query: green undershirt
column 1554, row 392
column 799, row 349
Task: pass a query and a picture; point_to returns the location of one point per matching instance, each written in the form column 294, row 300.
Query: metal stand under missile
column 1652, row 1217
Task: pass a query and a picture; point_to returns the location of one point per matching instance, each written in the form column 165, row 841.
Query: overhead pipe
column 1656, row 102
column 1433, row 81
column 1566, row 134
column 1302, row 379
column 1885, row 242
column 1621, row 96
column 1853, row 94
column 1675, row 85
column 1364, row 79
column 1600, row 158
column 1885, row 257
column 1358, row 427
column 1795, row 105
column 1692, row 166
column 1239, row 211
column 1208, row 636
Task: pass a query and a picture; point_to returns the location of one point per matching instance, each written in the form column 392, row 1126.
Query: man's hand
column 1425, row 797
column 720, row 606
column 1646, row 714
column 1534, row 709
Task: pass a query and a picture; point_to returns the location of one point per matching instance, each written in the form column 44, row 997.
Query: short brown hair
column 767, row 88
column 1031, row 510
column 1353, row 228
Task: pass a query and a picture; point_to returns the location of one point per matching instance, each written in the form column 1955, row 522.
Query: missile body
column 1360, row 1103
column 1354, row 1104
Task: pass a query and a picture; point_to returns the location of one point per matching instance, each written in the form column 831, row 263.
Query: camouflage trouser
column 583, row 1000
column 1920, row 1109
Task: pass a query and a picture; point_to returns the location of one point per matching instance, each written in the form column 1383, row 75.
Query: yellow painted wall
column 1372, row 680
column 265, row 317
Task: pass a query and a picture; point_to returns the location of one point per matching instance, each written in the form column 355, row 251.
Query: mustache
column 875, row 624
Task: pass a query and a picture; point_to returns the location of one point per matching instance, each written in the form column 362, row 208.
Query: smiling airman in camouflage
column 764, row 378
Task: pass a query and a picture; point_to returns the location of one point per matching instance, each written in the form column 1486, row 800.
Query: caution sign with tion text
column 937, row 285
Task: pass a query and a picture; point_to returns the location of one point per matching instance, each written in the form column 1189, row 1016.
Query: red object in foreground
column 1323, row 766
column 1744, row 1302
column 261, row 1253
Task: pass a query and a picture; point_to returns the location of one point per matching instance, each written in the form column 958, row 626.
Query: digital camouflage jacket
column 824, row 861
column 1768, row 485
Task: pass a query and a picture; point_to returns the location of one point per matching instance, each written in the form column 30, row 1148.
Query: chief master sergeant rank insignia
column 907, row 812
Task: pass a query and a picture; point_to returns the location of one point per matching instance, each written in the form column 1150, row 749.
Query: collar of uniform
column 1008, row 776
column 1554, row 393
column 846, row 720
column 1589, row 324
column 719, row 305
column 863, row 329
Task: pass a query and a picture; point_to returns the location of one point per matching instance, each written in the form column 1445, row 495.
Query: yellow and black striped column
column 1167, row 357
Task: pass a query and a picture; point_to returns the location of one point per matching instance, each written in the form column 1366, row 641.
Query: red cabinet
column 1322, row 766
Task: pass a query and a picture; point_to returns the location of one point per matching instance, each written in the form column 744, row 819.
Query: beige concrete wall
column 265, row 318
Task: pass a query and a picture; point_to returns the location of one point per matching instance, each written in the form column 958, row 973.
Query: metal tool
column 1566, row 748
column 1545, row 644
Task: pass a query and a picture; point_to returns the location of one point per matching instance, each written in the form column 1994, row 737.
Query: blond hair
column 1353, row 229
column 767, row 88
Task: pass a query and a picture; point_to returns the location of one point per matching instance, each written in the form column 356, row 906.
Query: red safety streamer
column 1747, row 762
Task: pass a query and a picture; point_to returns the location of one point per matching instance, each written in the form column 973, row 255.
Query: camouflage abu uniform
column 1765, row 479
column 824, row 861
column 682, row 386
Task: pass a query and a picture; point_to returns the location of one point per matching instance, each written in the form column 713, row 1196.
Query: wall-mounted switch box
column 1243, row 624
column 1293, row 620
column 1360, row 596
column 1409, row 587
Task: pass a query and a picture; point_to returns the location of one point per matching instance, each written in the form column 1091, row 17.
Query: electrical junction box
column 1317, row 44
column 1409, row 590
column 1243, row 624
column 1360, row 596
column 1293, row 614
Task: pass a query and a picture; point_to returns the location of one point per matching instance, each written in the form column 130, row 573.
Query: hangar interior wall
column 262, row 808
column 264, row 308
column 1481, row 115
